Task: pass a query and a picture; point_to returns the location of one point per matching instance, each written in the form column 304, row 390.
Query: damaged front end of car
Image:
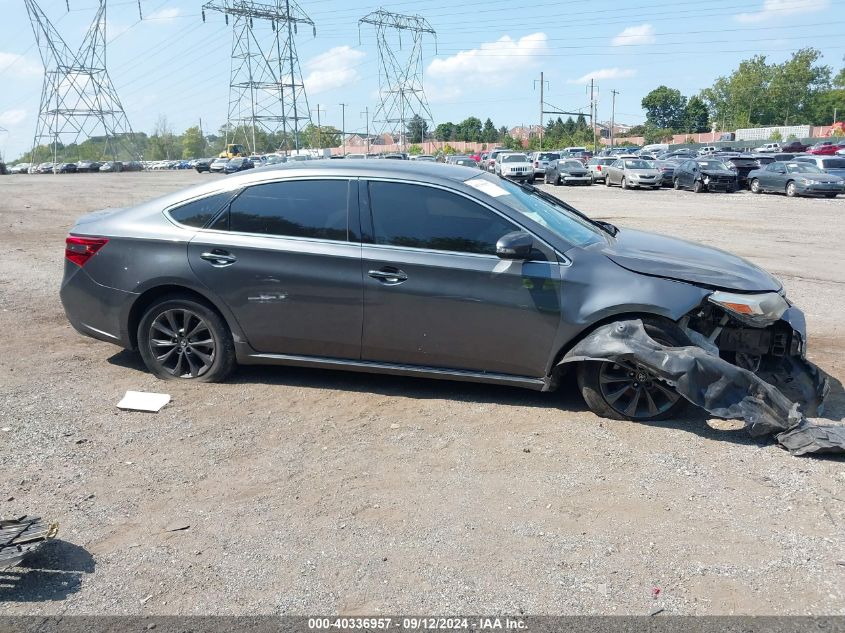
column 747, row 361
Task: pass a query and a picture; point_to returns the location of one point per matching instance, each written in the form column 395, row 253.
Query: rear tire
column 182, row 338
column 600, row 382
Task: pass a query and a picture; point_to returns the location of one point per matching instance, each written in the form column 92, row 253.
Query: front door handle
column 389, row 275
column 219, row 258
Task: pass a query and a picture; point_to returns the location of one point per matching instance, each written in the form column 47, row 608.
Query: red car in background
column 826, row 148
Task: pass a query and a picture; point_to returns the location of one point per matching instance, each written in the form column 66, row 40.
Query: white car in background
column 768, row 148
column 541, row 160
column 515, row 166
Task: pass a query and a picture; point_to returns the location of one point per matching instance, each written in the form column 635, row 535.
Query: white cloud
column 605, row 73
column 164, row 15
column 634, row 35
column 773, row 9
column 12, row 117
column 19, row 66
column 491, row 65
column 335, row 68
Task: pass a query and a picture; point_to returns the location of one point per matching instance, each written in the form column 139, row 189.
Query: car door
column 283, row 258
column 613, row 172
column 435, row 293
column 774, row 177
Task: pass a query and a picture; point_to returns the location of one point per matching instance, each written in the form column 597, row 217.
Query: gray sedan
column 633, row 172
column 423, row 270
column 795, row 179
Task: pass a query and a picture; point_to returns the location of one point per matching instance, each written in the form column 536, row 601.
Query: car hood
column 672, row 258
column 643, row 172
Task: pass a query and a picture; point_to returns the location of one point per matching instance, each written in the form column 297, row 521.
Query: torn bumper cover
column 725, row 390
column 21, row 537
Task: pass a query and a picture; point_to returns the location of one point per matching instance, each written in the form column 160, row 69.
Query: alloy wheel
column 634, row 392
column 181, row 343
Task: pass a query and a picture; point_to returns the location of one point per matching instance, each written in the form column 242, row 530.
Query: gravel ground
column 304, row 491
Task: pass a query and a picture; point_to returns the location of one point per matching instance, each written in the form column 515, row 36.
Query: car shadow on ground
column 567, row 398
column 51, row 573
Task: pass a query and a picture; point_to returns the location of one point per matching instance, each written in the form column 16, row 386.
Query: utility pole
column 343, row 125
column 593, row 113
column 366, row 113
column 319, row 129
column 542, row 104
column 613, row 114
column 202, row 136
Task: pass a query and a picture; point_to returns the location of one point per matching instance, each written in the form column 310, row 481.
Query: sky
column 486, row 60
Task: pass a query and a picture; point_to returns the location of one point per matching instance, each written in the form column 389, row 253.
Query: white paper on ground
column 142, row 401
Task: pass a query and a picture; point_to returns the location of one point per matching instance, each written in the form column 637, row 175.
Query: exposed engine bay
column 747, row 362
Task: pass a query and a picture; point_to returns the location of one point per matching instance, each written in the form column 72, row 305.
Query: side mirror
column 515, row 245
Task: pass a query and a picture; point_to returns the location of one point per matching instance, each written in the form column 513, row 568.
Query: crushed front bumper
column 776, row 402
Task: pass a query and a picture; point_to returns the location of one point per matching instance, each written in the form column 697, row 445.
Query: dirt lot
column 314, row 491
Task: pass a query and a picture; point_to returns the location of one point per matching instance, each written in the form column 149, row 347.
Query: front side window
column 418, row 216
column 296, row 208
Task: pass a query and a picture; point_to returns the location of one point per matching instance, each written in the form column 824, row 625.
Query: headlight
column 759, row 310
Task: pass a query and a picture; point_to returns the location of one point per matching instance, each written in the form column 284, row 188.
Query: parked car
column 429, row 294
column 795, row 179
column 66, row 168
column 515, row 166
column 768, row 148
column 44, row 168
column 275, row 159
column 794, row 146
column 356, row 156
column 541, row 161
column 388, row 156
column 667, row 170
column 742, row 165
column 826, row 148
column 784, row 156
column 203, row 164
column 4, row 171
column 135, row 165
column 492, row 157
column 112, row 166
column 633, row 172
column 88, row 166
column 466, row 161
column 20, row 168
column 598, row 166
column 424, row 158
column 705, row 174
column 237, row 164
column 830, row 164
column 567, row 171
column 707, row 149
column 218, row 165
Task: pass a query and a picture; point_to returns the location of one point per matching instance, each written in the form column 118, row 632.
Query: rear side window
column 425, row 217
column 299, row 208
column 198, row 213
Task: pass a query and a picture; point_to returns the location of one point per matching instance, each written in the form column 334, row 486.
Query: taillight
column 598, row 167
column 80, row 249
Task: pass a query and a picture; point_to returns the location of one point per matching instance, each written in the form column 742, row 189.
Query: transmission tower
column 78, row 99
column 400, row 73
column 265, row 87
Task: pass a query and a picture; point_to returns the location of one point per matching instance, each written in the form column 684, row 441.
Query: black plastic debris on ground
column 723, row 389
column 21, row 537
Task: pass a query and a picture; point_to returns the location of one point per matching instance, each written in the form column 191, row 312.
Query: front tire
column 624, row 391
column 791, row 190
column 676, row 184
column 755, row 186
column 623, row 183
column 182, row 338
column 697, row 187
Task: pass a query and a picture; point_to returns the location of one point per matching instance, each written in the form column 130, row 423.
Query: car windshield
column 833, row 163
column 797, row 168
column 548, row 156
column 573, row 164
column 637, row 164
column 515, row 158
column 236, row 161
column 712, row 164
column 222, row 160
column 555, row 217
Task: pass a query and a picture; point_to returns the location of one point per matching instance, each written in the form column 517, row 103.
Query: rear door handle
column 389, row 276
column 219, row 258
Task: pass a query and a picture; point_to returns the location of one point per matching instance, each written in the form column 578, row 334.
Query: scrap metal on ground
column 21, row 537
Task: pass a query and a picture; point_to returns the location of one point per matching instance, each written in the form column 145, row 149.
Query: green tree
column 443, row 132
column 665, row 107
column 469, row 129
column 488, row 132
column 193, row 144
column 696, row 117
column 320, row 137
column 415, row 150
column 417, row 129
